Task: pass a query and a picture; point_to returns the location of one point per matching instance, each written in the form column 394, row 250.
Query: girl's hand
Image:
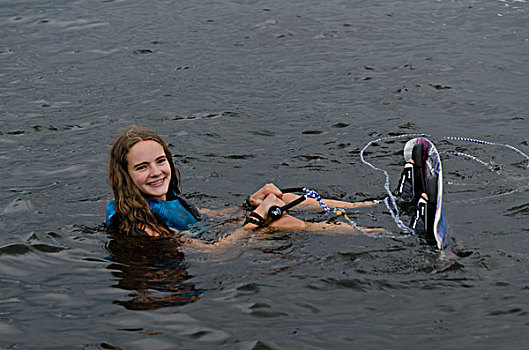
column 270, row 201
column 261, row 212
column 258, row 197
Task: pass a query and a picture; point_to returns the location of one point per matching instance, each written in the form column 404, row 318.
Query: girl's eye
column 162, row 160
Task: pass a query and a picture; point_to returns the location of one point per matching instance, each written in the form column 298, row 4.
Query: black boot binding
column 412, row 186
column 424, row 218
column 405, row 191
column 419, row 163
column 411, row 183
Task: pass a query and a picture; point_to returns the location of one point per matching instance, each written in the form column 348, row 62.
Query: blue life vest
column 172, row 213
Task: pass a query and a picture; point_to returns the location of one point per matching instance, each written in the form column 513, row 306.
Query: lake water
column 248, row 92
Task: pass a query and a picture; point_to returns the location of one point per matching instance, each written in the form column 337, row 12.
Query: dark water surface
column 248, row 92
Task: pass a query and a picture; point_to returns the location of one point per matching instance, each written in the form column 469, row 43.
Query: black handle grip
column 276, row 212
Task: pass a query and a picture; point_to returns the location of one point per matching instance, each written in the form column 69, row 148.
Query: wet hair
column 132, row 210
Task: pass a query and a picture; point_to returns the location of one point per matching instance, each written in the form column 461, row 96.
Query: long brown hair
column 132, row 210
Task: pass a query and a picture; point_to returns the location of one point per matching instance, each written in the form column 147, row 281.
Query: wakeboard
column 421, row 185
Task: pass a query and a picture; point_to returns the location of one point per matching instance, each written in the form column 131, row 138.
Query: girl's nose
column 155, row 171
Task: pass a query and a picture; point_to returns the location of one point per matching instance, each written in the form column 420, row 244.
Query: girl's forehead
column 146, row 148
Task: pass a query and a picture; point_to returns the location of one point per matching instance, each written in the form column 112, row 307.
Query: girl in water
column 147, row 199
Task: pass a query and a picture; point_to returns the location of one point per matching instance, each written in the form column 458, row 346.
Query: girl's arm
column 311, row 203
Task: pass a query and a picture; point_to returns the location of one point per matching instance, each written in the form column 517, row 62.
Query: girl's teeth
column 157, row 182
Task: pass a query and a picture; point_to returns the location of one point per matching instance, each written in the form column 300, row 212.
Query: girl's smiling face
column 149, row 169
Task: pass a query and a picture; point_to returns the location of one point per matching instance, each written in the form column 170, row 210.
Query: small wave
column 20, row 249
column 18, row 206
column 363, row 285
column 518, row 210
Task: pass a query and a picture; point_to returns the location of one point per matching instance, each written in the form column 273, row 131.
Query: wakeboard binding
column 419, row 191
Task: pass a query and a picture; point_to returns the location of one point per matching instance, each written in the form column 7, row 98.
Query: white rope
column 390, row 202
column 483, row 142
column 466, row 155
column 342, row 212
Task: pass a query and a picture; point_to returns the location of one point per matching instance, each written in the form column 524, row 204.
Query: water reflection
column 154, row 270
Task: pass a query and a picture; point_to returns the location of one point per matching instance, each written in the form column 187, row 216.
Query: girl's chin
column 156, row 194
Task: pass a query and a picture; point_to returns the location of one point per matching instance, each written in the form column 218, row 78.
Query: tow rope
column 389, row 200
